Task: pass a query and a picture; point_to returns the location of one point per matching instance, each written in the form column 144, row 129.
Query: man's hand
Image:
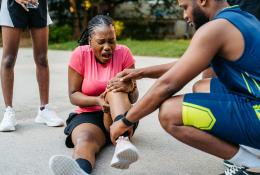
column 117, row 129
column 116, row 85
column 24, row 3
column 129, row 74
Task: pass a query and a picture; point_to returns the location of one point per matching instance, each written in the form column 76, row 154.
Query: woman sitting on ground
column 93, row 64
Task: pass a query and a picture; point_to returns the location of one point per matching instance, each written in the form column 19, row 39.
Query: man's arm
column 146, row 72
column 203, row 47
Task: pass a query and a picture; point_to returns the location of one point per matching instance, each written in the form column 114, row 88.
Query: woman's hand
column 116, row 85
column 104, row 105
column 24, row 3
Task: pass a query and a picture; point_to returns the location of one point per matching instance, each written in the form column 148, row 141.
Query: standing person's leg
column 125, row 152
column 40, row 48
column 11, row 39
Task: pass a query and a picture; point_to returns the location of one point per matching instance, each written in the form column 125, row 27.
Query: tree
column 78, row 12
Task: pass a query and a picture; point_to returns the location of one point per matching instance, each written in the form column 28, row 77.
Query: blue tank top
column 243, row 75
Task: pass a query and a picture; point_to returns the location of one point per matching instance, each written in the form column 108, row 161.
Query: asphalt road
column 27, row 150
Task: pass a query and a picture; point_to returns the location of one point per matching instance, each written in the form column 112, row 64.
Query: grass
column 160, row 48
column 70, row 45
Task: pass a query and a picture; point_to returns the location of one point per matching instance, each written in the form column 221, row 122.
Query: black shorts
column 13, row 14
column 75, row 119
column 95, row 118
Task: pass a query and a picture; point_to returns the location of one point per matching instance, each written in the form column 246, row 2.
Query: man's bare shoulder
column 214, row 31
column 216, row 26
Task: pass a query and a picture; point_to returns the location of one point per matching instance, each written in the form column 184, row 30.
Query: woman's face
column 103, row 43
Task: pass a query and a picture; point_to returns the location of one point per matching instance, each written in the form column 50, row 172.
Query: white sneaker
column 9, row 122
column 49, row 117
column 125, row 153
column 63, row 165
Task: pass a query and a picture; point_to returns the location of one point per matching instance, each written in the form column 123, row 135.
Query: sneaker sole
column 121, row 164
column 63, row 165
column 128, row 156
column 37, row 120
column 7, row 129
column 125, row 158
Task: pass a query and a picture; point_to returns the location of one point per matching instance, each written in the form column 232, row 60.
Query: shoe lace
column 233, row 170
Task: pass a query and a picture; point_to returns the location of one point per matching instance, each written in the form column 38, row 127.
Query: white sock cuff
column 245, row 158
column 252, row 150
column 236, row 157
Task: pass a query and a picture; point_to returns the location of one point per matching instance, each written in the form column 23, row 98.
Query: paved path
column 27, row 151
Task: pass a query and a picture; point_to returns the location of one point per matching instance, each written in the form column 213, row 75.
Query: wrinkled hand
column 104, row 105
column 117, row 129
column 129, row 74
column 116, row 85
column 23, row 3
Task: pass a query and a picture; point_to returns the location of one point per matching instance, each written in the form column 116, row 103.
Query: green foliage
column 144, row 29
column 77, row 13
column 70, row 45
column 165, row 9
column 60, row 34
column 60, row 12
column 160, row 48
column 119, row 27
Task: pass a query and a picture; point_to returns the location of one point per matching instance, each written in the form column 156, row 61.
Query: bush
column 119, row 27
column 60, row 34
column 148, row 29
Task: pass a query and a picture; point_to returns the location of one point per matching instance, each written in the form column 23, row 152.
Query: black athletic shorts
column 75, row 119
column 13, row 14
column 95, row 118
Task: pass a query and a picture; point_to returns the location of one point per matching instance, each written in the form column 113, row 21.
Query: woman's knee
column 86, row 138
column 87, row 143
column 8, row 61
column 115, row 95
column 170, row 113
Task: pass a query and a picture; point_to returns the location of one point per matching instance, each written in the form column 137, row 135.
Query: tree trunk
column 76, row 15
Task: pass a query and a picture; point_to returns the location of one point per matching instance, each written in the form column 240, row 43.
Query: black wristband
column 127, row 122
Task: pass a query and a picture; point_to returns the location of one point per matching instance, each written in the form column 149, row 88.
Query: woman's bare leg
column 40, row 48
column 88, row 140
column 125, row 152
column 119, row 103
column 11, row 39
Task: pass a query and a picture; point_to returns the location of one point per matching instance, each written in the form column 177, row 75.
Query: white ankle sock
column 245, row 158
column 252, row 150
